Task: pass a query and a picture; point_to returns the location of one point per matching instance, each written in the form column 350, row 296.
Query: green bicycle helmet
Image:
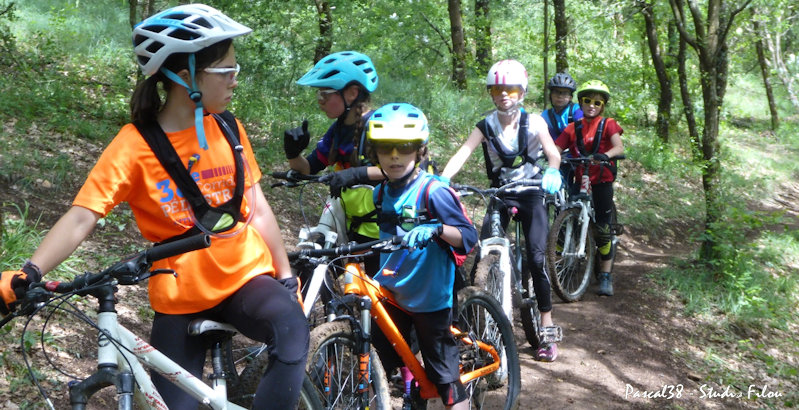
column 398, row 123
column 593, row 86
column 338, row 70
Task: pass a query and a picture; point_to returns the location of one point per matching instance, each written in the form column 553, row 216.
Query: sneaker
column 605, row 284
column 547, row 353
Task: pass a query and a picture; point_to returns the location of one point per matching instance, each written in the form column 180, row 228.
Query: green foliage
column 20, row 237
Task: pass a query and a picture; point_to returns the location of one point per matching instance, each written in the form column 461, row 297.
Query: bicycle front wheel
column 569, row 271
column 489, row 276
column 333, row 365
column 480, row 316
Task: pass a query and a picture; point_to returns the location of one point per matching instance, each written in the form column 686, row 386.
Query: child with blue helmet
column 344, row 83
column 422, row 277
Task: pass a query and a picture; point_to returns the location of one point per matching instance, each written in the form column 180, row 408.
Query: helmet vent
column 329, row 74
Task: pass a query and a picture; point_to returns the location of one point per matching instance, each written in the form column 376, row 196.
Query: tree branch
column 440, row 34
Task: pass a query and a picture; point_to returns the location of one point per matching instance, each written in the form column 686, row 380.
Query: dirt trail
column 618, row 350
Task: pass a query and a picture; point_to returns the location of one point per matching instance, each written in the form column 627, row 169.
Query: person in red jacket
column 600, row 139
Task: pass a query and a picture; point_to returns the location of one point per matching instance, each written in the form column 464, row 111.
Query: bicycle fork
column 584, row 220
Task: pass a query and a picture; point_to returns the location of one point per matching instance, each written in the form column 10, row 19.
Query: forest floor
column 633, row 350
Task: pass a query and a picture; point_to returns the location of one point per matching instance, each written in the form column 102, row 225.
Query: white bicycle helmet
column 182, row 29
column 507, row 72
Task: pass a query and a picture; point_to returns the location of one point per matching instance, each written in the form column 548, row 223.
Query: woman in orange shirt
column 244, row 277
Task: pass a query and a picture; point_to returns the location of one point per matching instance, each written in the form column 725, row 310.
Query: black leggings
column 532, row 213
column 263, row 310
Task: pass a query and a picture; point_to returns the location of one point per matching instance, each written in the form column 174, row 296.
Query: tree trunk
column 545, row 92
column 561, row 31
column 483, row 45
column 764, row 71
column 458, row 44
column 710, row 42
column 774, row 45
column 133, row 17
column 687, row 101
column 325, row 20
column 664, row 104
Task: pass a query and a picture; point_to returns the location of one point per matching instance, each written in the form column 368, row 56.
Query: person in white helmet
column 511, row 140
column 244, row 277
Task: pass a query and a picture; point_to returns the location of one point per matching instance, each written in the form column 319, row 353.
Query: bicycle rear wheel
column 333, row 369
column 569, row 272
column 480, row 316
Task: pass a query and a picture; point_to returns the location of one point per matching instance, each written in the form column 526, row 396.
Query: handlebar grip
column 184, row 245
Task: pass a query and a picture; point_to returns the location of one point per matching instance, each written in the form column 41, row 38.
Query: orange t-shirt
column 129, row 171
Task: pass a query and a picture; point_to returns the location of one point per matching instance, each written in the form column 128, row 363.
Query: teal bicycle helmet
column 338, row 70
column 398, row 123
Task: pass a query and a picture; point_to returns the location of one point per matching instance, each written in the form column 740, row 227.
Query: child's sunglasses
column 497, row 90
column 386, row 148
column 589, row 101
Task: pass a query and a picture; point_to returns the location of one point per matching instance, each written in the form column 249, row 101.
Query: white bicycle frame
column 119, row 347
column 586, row 211
column 333, row 226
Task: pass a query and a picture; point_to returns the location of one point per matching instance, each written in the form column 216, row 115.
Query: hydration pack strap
column 216, row 219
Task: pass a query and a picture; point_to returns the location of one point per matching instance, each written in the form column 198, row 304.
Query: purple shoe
column 547, row 353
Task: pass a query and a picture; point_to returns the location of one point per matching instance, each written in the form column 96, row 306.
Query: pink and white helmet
column 507, row 72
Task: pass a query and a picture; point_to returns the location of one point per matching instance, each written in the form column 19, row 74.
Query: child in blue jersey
column 564, row 111
column 436, row 230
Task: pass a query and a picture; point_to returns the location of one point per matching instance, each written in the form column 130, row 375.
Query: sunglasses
column 387, row 148
column 589, row 101
column 233, row 72
column 497, row 90
column 324, row 94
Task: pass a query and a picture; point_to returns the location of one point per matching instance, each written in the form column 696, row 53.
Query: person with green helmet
column 599, row 138
column 344, row 83
column 422, row 276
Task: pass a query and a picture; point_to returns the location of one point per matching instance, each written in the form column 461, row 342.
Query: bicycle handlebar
column 527, row 183
column 383, row 245
column 589, row 159
column 129, row 271
column 292, row 178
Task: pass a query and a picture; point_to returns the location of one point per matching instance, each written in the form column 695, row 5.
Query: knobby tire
column 331, row 354
column 569, row 275
column 480, row 315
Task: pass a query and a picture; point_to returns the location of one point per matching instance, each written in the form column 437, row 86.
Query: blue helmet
column 398, row 123
column 338, row 70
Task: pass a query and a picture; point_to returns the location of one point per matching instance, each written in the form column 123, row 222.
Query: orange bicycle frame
column 360, row 284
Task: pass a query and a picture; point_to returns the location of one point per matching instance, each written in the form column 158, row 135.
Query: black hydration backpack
column 215, row 219
column 509, row 160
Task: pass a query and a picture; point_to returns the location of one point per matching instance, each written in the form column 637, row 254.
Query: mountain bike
column 501, row 266
column 123, row 357
column 571, row 255
column 347, row 372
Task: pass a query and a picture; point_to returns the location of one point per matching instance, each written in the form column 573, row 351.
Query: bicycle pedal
column 551, row 334
column 617, row 229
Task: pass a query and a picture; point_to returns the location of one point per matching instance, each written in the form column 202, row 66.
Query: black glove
column 345, row 178
column 292, row 284
column 14, row 284
column 599, row 157
column 295, row 140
